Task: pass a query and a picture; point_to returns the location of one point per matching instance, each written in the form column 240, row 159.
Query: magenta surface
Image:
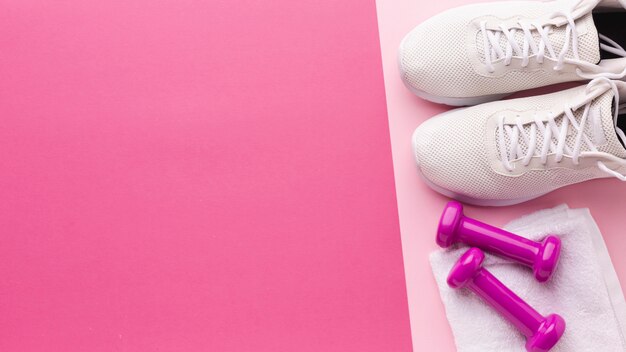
column 542, row 332
column 182, row 175
column 454, row 226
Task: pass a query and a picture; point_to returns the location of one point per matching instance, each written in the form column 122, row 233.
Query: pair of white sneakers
column 507, row 152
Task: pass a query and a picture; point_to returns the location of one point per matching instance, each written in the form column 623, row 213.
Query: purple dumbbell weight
column 542, row 333
column 454, row 227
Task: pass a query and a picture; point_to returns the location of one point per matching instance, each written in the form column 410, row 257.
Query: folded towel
column 584, row 289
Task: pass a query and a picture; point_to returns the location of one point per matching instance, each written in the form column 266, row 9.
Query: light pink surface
column 196, row 176
column 420, row 207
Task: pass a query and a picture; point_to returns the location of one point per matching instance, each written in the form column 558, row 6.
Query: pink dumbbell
column 542, row 333
column 454, row 227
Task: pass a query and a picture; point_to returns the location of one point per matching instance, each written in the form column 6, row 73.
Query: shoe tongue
column 600, row 126
column 588, row 40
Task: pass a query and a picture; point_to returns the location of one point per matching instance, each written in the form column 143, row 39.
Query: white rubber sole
column 452, row 101
column 462, row 197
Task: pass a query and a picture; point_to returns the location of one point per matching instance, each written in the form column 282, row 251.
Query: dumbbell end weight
column 466, row 268
column 547, row 259
column 547, row 335
column 448, row 224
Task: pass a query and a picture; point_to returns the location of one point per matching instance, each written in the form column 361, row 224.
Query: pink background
column 419, row 207
column 200, row 176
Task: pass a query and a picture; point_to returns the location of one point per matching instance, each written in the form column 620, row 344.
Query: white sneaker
column 482, row 52
column 510, row 151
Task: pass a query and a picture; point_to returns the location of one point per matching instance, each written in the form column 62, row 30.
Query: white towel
column 584, row 289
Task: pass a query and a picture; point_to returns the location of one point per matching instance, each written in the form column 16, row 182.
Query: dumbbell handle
column 478, row 234
column 511, row 306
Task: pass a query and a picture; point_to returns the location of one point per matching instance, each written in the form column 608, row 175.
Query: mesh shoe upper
column 457, row 151
column 444, row 56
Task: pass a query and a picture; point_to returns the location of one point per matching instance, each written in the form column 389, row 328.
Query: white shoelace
column 550, row 131
column 493, row 51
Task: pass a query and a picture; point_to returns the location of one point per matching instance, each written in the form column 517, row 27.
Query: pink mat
column 420, row 207
column 196, row 176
